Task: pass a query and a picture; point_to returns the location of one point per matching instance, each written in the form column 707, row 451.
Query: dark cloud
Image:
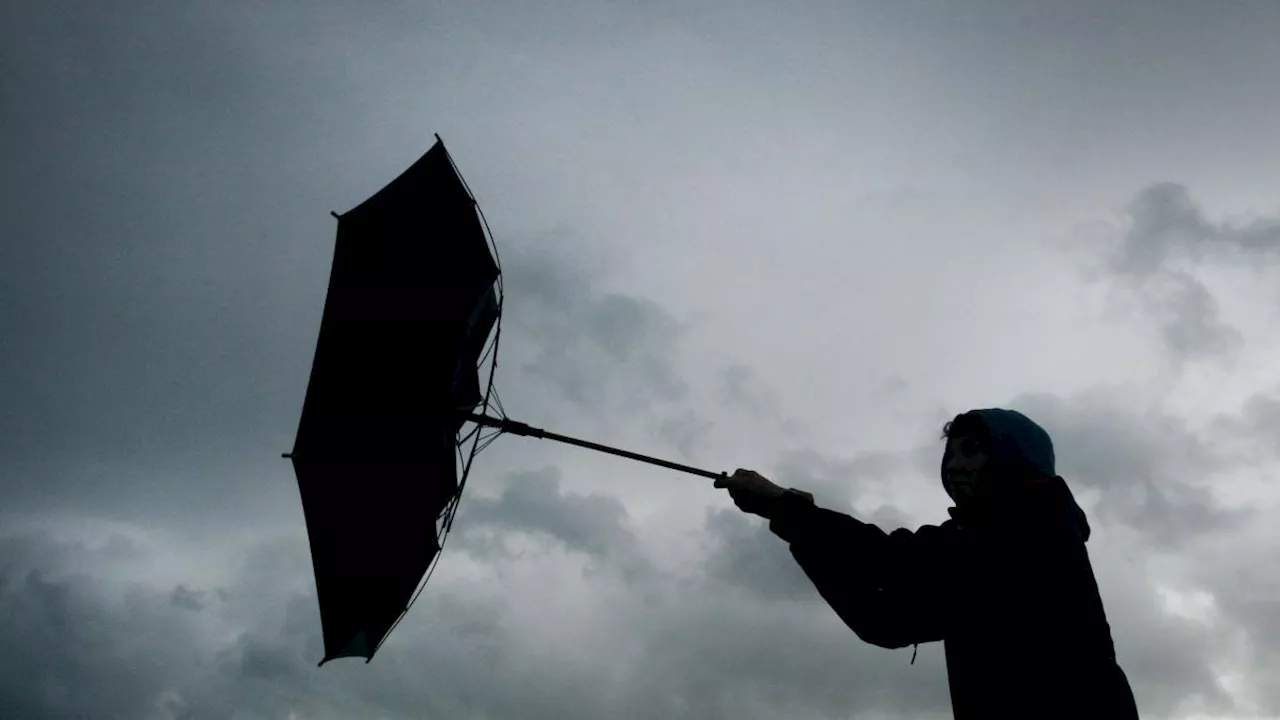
column 1166, row 225
column 1163, row 223
column 687, row 430
column 79, row 649
column 841, row 482
column 1189, row 318
column 739, row 390
column 1251, row 433
column 1262, row 415
column 81, row 644
column 746, row 636
column 744, row 553
column 532, row 502
column 1153, row 473
column 1165, row 231
column 1169, row 659
column 1247, row 593
column 601, row 351
column 187, row 599
column 717, row 656
column 616, row 359
column 747, row 556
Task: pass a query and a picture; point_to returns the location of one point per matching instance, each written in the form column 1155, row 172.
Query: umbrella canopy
column 410, row 305
column 414, row 295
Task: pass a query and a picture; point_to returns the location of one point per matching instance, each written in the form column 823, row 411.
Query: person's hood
column 1022, row 452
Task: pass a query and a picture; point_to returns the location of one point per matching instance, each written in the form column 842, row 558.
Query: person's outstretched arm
column 891, row 589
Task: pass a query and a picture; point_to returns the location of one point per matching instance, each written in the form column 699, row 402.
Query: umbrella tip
column 335, row 215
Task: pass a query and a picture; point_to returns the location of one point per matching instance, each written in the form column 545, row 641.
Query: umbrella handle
column 519, row 428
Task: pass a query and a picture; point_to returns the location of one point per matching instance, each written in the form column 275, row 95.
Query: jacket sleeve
column 889, row 588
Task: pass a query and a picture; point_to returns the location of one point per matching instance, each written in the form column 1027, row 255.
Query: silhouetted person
column 1005, row 584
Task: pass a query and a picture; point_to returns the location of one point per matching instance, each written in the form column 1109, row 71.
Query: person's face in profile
column 966, row 467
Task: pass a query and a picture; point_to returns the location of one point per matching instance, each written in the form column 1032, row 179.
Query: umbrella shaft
column 519, row 428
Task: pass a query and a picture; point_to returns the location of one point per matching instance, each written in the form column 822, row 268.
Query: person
column 1005, row 584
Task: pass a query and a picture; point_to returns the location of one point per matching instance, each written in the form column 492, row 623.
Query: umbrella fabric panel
column 410, row 269
column 372, row 539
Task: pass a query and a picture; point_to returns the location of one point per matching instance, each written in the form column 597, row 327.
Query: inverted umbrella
column 411, row 318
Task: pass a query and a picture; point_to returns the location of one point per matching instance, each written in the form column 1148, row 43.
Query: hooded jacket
column 1006, row 586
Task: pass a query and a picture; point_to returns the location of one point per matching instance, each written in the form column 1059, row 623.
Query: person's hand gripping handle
column 753, row 492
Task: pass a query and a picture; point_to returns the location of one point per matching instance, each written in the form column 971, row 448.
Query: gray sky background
column 794, row 237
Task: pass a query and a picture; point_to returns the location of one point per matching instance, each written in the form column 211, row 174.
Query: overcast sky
column 793, row 237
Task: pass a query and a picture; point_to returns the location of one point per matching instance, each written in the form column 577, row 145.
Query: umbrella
column 394, row 411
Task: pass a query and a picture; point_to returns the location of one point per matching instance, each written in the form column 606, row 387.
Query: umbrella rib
column 497, row 402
